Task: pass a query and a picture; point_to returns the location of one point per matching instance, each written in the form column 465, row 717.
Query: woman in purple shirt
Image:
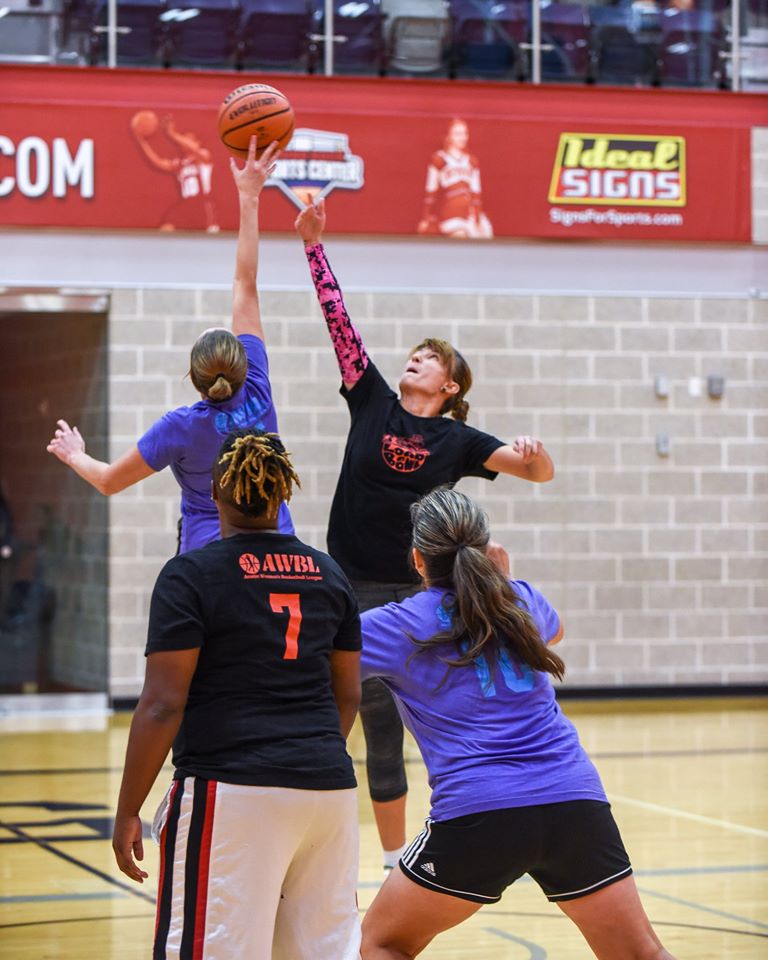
column 231, row 374
column 513, row 791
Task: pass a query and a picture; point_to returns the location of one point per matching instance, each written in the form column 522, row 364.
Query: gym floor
column 688, row 781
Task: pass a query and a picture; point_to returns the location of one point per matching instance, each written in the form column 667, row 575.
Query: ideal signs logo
column 619, row 169
column 313, row 164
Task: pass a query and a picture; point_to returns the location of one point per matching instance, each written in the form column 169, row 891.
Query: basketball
column 144, row 123
column 255, row 108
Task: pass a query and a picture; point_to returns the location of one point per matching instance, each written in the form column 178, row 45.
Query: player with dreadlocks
column 253, row 676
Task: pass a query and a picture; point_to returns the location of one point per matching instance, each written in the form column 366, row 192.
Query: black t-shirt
column 266, row 611
column 392, row 459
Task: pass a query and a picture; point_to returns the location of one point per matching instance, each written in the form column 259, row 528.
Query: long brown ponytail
column 451, row 533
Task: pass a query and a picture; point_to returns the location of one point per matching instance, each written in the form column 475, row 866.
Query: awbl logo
column 279, row 566
column 619, row 169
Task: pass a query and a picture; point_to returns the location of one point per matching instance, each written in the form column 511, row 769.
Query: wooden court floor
column 688, row 781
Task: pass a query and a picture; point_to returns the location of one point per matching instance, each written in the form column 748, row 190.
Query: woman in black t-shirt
column 253, row 675
column 398, row 449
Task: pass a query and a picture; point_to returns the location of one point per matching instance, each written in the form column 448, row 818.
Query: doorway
column 54, row 630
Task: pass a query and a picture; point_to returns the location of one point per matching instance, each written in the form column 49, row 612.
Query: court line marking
column 53, row 897
column 535, row 950
column 47, row 923
column 44, row 845
column 489, row 911
column 700, row 906
column 687, row 815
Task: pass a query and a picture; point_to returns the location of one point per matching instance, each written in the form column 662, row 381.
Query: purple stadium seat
column 360, row 28
column 691, row 41
column 275, row 33
column 565, row 28
column 623, row 53
column 486, row 38
column 201, row 33
column 142, row 33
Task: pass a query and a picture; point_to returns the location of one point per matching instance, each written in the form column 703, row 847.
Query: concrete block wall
column 658, row 565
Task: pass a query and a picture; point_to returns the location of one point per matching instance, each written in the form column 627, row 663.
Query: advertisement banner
column 130, row 149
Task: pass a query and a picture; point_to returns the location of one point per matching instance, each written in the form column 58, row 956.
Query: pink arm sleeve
column 350, row 352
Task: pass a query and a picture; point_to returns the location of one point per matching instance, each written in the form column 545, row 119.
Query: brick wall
column 658, row 565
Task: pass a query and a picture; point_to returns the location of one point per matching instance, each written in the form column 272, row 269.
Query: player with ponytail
column 229, row 370
column 469, row 662
column 399, row 448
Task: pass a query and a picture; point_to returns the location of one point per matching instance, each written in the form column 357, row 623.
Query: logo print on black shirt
column 279, row 566
column 404, row 454
column 249, row 563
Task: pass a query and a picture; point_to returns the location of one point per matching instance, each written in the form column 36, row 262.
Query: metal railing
column 537, row 44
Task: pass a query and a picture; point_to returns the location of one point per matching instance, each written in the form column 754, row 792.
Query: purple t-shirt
column 187, row 440
column 490, row 739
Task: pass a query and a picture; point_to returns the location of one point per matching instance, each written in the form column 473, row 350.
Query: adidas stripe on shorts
column 571, row 849
column 256, row 873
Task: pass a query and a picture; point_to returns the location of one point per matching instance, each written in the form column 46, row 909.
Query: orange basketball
column 255, row 108
column 144, row 123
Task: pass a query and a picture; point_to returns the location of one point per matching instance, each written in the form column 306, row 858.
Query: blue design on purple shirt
column 188, row 439
column 485, row 746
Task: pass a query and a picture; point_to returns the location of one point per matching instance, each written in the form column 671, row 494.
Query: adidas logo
column 429, row 868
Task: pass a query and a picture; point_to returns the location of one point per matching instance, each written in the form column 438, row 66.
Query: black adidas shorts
column 570, row 849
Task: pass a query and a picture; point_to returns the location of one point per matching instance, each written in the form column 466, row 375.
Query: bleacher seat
column 359, row 27
column 486, row 38
column 275, row 34
column 565, row 30
column 201, row 33
column 691, row 41
column 141, row 36
column 622, row 53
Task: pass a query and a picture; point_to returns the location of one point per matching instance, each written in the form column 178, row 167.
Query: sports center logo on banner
column 314, row 163
column 619, row 169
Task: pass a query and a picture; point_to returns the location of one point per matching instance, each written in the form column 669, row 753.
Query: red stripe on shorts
column 162, row 837
column 203, row 867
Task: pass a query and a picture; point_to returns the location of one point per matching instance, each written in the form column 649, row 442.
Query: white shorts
column 256, row 873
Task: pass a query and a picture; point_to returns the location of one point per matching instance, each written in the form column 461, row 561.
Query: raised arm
column 347, row 342
column 68, row 445
column 166, row 164
column 525, row 458
column 246, row 316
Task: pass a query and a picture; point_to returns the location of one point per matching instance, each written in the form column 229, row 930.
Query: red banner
column 95, row 148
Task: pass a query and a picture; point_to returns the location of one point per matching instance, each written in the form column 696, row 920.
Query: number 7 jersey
column 266, row 612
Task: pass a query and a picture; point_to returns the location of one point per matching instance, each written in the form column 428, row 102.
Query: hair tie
column 217, row 375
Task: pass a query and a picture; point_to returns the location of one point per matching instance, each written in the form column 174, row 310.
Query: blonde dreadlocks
column 255, row 473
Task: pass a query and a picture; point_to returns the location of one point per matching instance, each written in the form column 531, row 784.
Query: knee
column 373, row 948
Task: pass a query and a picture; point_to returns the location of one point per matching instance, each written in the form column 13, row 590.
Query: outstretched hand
column 528, row 448
column 250, row 178
column 310, row 223
column 66, row 442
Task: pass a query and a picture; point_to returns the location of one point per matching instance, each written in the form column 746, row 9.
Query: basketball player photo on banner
column 453, row 200
column 182, row 155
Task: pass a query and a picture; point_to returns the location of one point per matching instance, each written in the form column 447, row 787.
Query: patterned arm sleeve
column 350, row 352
